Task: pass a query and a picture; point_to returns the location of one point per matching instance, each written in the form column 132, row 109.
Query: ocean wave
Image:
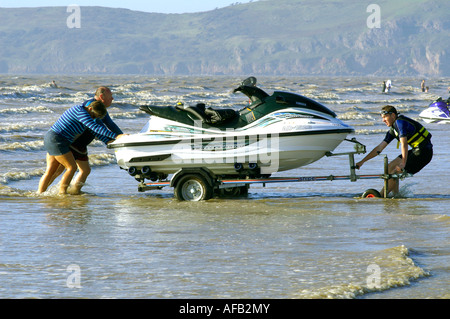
column 127, row 115
column 18, row 127
column 67, row 100
column 370, row 132
column 19, row 95
column 127, row 88
column 26, row 146
column 26, row 91
column 387, row 269
column 356, row 115
column 101, row 159
column 19, row 175
column 6, row 191
column 11, row 176
column 26, row 110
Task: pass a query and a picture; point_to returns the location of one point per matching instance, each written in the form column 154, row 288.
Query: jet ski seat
column 197, row 111
column 209, row 116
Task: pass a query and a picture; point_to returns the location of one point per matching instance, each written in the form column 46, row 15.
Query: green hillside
column 272, row 37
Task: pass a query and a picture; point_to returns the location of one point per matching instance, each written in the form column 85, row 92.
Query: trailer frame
column 203, row 183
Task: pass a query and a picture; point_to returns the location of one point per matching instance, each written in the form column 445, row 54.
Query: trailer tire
column 193, row 188
column 371, row 193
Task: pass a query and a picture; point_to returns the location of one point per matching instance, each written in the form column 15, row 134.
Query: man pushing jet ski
column 407, row 132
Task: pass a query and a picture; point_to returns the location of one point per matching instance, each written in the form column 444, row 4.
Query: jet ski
column 273, row 133
column 437, row 112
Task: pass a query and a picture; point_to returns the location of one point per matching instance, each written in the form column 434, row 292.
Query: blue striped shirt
column 107, row 120
column 75, row 120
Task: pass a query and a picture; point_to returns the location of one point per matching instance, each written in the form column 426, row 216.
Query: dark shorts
column 55, row 144
column 79, row 155
column 418, row 159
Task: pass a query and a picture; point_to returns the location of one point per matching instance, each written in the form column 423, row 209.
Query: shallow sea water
column 288, row 241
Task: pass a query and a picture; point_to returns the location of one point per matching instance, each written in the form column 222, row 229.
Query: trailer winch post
column 351, row 159
column 386, row 176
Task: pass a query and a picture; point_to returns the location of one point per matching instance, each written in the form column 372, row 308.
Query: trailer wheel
column 371, row 193
column 192, row 188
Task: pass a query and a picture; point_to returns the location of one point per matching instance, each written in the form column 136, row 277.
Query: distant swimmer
column 388, row 86
column 53, row 84
column 422, row 86
column 407, row 132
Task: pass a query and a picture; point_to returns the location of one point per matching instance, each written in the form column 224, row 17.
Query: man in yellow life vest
column 407, row 132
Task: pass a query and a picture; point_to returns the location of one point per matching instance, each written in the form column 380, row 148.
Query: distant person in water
column 422, row 86
column 407, row 132
column 58, row 139
column 53, row 84
column 388, row 86
column 79, row 145
column 384, row 86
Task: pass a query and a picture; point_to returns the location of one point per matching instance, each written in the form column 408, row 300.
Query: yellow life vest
column 421, row 134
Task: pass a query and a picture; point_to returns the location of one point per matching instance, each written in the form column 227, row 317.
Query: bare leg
column 69, row 163
column 58, row 172
column 83, row 174
column 47, row 178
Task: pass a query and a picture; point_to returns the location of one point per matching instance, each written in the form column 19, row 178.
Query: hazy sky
column 162, row 6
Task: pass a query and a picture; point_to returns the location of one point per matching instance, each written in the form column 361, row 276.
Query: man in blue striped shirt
column 71, row 124
column 79, row 145
column 75, row 120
